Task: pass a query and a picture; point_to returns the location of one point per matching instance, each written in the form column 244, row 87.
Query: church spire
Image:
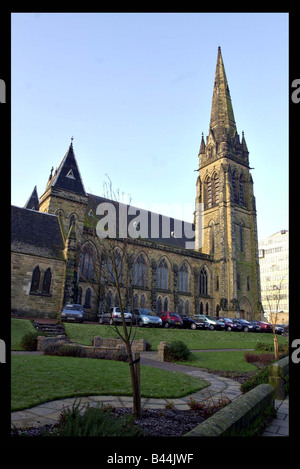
column 222, row 122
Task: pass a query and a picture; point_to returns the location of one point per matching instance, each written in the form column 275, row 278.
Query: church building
column 57, row 254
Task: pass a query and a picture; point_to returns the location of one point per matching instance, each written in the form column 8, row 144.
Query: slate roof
column 36, row 233
column 33, row 201
column 67, row 176
column 160, row 226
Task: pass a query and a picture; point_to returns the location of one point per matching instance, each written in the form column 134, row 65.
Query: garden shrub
column 177, row 351
column 263, row 347
column 29, row 340
column 95, row 421
column 259, row 378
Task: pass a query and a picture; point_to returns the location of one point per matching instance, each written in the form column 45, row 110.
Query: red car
column 264, row 326
column 170, row 319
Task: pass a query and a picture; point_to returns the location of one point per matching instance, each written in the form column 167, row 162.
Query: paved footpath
column 220, row 387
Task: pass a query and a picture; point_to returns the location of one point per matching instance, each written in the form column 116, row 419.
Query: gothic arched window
column 203, row 282
column 140, row 271
column 162, row 275
column 215, row 189
column 242, row 190
column 183, row 278
column 207, row 193
column 166, row 304
column 35, row 280
column 47, row 281
column 87, row 302
column 234, row 187
column 87, row 262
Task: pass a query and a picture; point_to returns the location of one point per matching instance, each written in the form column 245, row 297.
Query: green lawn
column 221, row 361
column 195, row 340
column 19, row 327
column 37, row 379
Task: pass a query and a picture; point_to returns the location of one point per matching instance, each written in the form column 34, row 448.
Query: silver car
column 145, row 317
column 113, row 316
column 72, row 312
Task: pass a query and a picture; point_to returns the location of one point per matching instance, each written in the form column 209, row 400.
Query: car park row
column 145, row 317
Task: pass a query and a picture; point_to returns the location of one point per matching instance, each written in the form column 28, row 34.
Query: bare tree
column 112, row 269
column 273, row 296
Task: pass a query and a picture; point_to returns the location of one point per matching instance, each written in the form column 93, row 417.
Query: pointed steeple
column 222, row 120
column 67, row 176
column 202, row 146
column 33, row 201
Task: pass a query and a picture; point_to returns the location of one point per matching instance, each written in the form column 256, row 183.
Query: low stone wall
column 107, row 342
column 279, row 377
column 237, row 415
column 104, row 343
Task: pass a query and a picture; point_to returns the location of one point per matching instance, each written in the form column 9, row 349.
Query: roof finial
column 72, row 138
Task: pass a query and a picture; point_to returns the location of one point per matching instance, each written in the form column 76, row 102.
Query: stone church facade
column 57, row 255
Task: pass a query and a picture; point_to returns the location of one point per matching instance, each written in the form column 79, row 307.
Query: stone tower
column 225, row 193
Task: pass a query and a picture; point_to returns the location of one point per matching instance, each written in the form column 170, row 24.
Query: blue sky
column 135, row 91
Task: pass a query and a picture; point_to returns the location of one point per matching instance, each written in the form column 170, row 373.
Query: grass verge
column 38, row 379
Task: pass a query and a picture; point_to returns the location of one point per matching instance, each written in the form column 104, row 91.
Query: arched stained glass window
column 162, row 275
column 183, row 278
column 203, row 282
column 140, row 271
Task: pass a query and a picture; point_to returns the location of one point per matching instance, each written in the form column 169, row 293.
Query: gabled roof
column 36, row 233
column 67, row 176
column 33, row 201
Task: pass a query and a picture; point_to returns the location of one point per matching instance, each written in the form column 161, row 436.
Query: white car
column 113, row 316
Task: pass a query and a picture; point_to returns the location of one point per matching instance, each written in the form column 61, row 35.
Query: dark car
column 188, row 323
column 230, row 324
column 247, row 326
column 200, row 323
column 72, row 312
column 170, row 319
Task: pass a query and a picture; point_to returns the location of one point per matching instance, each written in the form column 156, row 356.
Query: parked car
column 264, row 326
column 247, row 326
column 284, row 327
column 170, row 319
column 212, row 323
column 145, row 317
column 113, row 316
column 230, row 324
column 200, row 323
column 188, row 323
column 279, row 329
column 72, row 312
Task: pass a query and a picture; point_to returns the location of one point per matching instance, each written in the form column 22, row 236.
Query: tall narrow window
column 143, row 301
column 212, row 238
column 158, row 305
column 207, row 193
column 180, row 306
column 187, row 307
column 87, row 302
column 140, row 271
column 47, row 282
column 166, row 304
column 35, row 280
column 183, row 278
column 162, row 275
column 215, row 189
column 87, row 260
column 234, row 187
column 203, row 282
column 241, row 190
column 241, row 237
